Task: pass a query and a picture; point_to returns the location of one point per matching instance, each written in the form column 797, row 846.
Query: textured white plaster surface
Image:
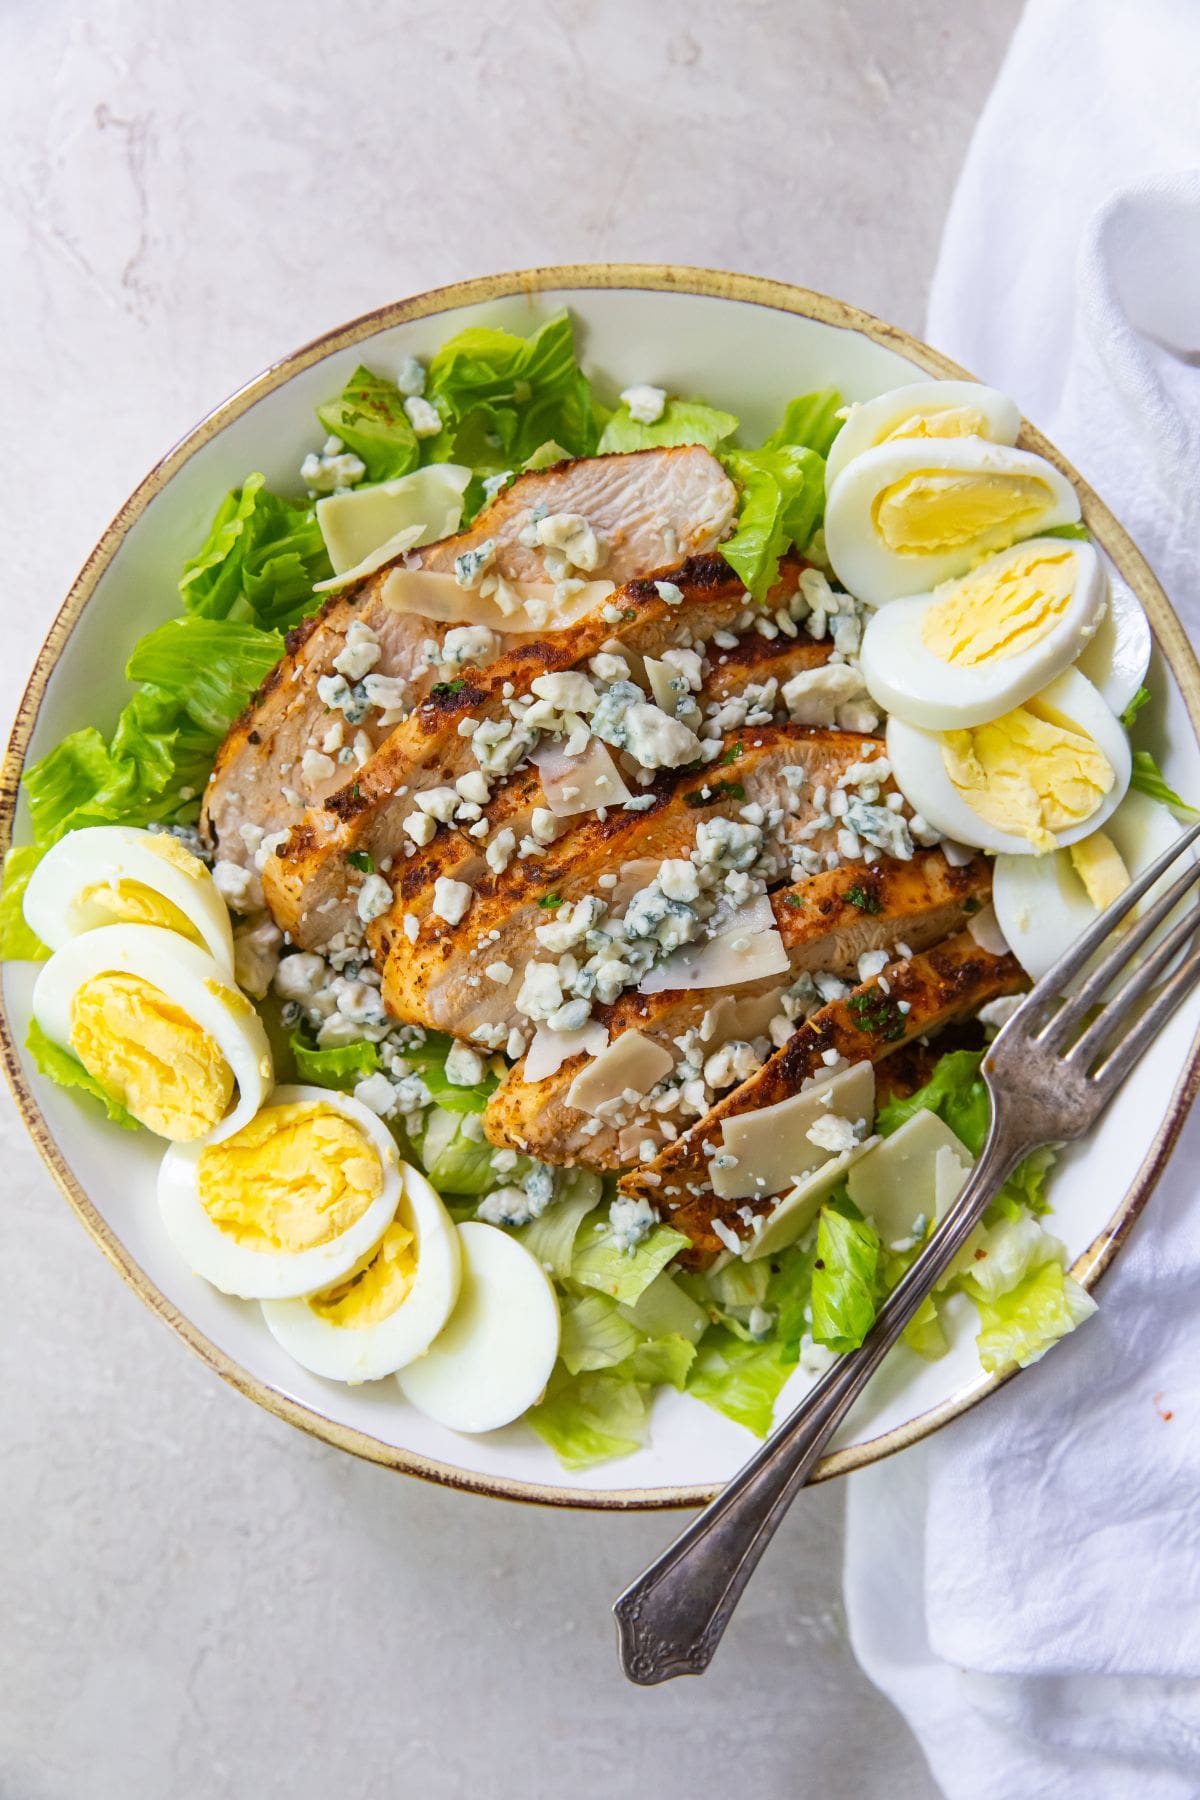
column 196, row 1601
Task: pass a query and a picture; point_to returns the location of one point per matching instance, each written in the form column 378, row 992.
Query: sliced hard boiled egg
column 291, row 1203
column 389, row 1308
column 157, row 1022
column 985, row 642
column 1032, row 780
column 1118, row 655
column 907, row 515
column 109, row 874
column 495, row 1356
column 924, row 409
column 1044, row 903
column 362, row 521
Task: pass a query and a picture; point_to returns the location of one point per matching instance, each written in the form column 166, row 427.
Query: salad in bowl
column 548, row 893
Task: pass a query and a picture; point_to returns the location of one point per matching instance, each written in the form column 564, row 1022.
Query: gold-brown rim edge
column 649, row 277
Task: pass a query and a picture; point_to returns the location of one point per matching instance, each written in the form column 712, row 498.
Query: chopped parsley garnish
column 550, row 901
column 876, row 1012
column 732, row 754
column 629, row 613
column 361, row 859
column 712, row 792
column 793, row 900
column 970, row 905
column 443, row 690
column 866, row 899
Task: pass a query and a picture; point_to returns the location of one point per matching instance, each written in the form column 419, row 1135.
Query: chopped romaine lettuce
column 663, row 1309
column 69, row 1072
column 681, row 422
column 663, row 1361
column 739, row 1378
column 370, row 419
column 207, row 667
column 502, row 397
column 429, row 1061
column 783, row 490
column 599, row 1261
column 594, row 1334
column 590, row 1418
column 1149, row 779
column 17, row 942
column 340, row 1066
column 263, row 555
column 1025, row 1297
column 1140, row 699
column 810, row 421
column 551, row 1238
column 845, row 1280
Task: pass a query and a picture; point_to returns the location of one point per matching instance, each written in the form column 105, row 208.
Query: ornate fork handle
column 670, row 1621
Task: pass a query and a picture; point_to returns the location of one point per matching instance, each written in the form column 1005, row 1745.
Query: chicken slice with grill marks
column 311, row 888
column 826, row 921
column 435, row 980
column 947, row 983
column 648, row 508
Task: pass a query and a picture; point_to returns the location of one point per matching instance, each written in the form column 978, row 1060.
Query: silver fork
column 1050, row 1072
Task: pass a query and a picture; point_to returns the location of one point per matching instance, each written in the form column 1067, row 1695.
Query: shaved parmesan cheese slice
column 521, row 606
column 660, row 675
column 630, row 1140
column 550, row 1049
column 730, row 960
column 577, row 784
column 772, row 1146
column 950, row 1171
column 395, row 546
column 361, row 522
column 797, row 1210
column 896, row 1184
column 747, row 1016
column 756, row 915
column 985, row 929
column 631, row 1061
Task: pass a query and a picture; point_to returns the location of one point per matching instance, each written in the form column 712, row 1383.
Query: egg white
column 494, row 1357
column 906, row 678
column 189, row 976
column 874, row 572
column 100, row 855
column 875, row 420
column 276, row 1275
column 921, row 775
column 341, row 1353
column 1117, row 656
column 1041, row 904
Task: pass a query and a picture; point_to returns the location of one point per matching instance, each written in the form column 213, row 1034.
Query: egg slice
column 1033, row 780
column 390, row 1308
column 157, row 1022
column 1117, row 656
column 924, row 409
column 291, row 1203
column 1044, row 903
column 985, row 642
column 907, row 515
column 109, row 874
column 494, row 1358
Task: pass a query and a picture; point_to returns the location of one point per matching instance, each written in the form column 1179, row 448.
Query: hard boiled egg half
column 391, row 1305
column 924, row 409
column 907, row 515
column 1031, row 781
column 109, row 874
column 1045, row 903
column 291, row 1202
column 158, row 1024
column 983, row 643
column 496, row 1354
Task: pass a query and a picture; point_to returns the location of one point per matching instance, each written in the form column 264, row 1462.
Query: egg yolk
column 1101, row 868
column 1028, row 776
column 377, row 1289
column 950, row 422
column 931, row 511
column 161, row 843
column 995, row 613
column 294, row 1178
column 137, row 904
column 148, row 1054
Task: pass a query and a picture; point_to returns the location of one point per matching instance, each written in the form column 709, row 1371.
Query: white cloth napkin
column 1026, row 1585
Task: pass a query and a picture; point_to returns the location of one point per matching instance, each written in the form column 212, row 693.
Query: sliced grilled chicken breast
column 310, row 886
column 435, row 979
column 948, row 982
column 826, row 921
column 648, row 507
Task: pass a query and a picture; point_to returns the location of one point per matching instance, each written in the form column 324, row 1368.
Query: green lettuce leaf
column 661, row 1362
column 69, row 1072
column 370, row 419
column 783, row 496
column 502, row 397
column 1140, row 700
column 340, row 1066
column 551, row 1239
column 458, row 1164
column 845, row 1280
column 738, row 1378
column 594, row 1334
column 599, row 1262
column 682, row 422
column 1149, row 779
column 263, row 555
column 17, row 942
column 810, row 421
column 1026, row 1299
column 789, row 1297
column 925, row 1333
column 429, row 1061
column 589, row 1418
column 664, row 1309
column 207, row 667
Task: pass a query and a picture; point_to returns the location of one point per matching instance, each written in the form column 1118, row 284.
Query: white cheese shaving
column 431, row 594
column 772, row 1147
column 578, row 784
column 729, row 960
column 631, row 1062
column 550, row 1049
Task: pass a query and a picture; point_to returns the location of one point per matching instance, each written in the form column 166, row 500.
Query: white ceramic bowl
column 742, row 343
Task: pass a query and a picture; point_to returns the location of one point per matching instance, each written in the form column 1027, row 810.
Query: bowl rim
column 700, row 282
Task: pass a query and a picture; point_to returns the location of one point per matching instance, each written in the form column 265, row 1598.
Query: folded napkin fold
column 1026, row 1585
